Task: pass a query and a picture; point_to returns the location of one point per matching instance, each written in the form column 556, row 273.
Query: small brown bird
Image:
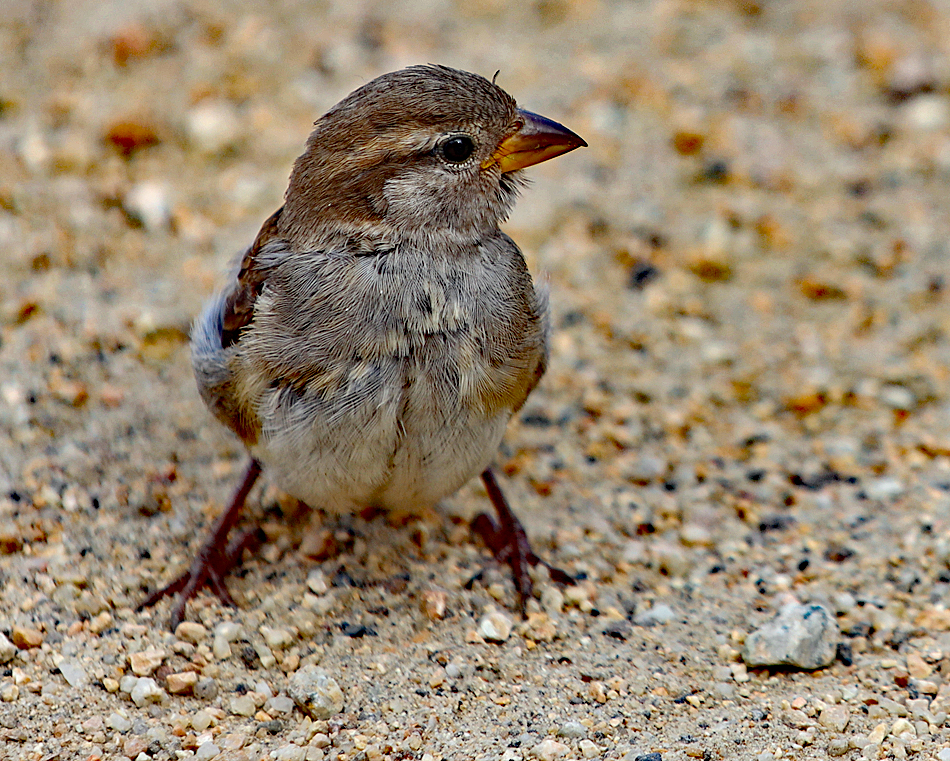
column 382, row 329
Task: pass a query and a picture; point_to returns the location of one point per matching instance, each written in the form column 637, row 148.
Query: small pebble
column 26, row 638
column 133, row 747
column 276, row 638
column 143, row 663
column 572, row 729
column 902, row 726
column 127, row 683
column 201, row 721
column 7, row 649
column 118, row 722
column 552, row 600
column 213, row 126
column 317, row 582
column 100, row 623
column 917, row 667
column 495, row 626
column 74, row 674
column 192, row 632
column 838, row 746
column 549, row 750
column 316, row 692
column 228, row 631
column 884, row 488
column 280, row 704
column 146, row 691
column 660, row 613
column 834, row 717
column 148, row 203
column 206, row 689
column 243, row 706
column 291, row 753
column 433, row 604
column 877, row 735
column 207, row 751
column 182, row 683
column 221, row 648
column 803, row 636
column 588, row 749
column 9, row 692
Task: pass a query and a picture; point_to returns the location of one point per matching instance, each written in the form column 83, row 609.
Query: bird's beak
column 535, row 139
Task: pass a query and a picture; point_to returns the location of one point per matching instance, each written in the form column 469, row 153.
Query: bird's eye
column 458, row 148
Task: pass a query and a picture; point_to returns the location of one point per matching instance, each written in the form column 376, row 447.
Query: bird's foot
column 216, row 557
column 209, row 567
column 509, row 543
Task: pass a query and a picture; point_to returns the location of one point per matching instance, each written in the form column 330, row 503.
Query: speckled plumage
column 397, row 329
column 381, row 330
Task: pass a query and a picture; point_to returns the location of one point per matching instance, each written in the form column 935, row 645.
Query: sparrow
column 381, row 330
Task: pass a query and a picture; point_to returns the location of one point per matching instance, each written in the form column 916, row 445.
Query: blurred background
column 748, row 395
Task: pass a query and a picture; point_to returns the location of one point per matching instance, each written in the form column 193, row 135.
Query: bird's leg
column 215, row 558
column 509, row 543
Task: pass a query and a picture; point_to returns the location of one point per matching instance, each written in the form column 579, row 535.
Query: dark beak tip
column 552, row 130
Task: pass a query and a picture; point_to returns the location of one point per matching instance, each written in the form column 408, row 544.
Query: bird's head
column 423, row 154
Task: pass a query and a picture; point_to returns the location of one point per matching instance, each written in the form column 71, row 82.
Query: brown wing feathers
column 239, row 305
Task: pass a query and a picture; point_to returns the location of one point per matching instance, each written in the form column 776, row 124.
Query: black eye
column 457, row 149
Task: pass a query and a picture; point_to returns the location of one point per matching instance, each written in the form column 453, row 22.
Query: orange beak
column 535, row 139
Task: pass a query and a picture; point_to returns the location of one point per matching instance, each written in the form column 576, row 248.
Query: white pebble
column 317, row 582
column 804, row 636
column 7, row 649
column 264, row 653
column 495, row 626
column 552, row 600
column 220, row 648
column 207, row 751
column 73, row 673
column 549, row 750
column 243, row 706
column 228, row 631
column 148, row 203
column 928, row 112
column 213, row 126
column 572, row 729
column 884, row 488
column 291, row 753
column 277, row 638
column 660, row 613
column 279, row 704
column 127, row 683
column 118, row 722
column 316, row 692
column 588, row 749
column 147, row 691
column 834, row 717
column 201, row 721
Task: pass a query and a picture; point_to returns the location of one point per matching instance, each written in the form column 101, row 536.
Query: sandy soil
column 747, row 402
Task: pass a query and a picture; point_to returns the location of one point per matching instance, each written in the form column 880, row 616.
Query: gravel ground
column 747, row 403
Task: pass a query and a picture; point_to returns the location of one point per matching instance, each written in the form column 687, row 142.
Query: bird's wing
column 239, row 302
